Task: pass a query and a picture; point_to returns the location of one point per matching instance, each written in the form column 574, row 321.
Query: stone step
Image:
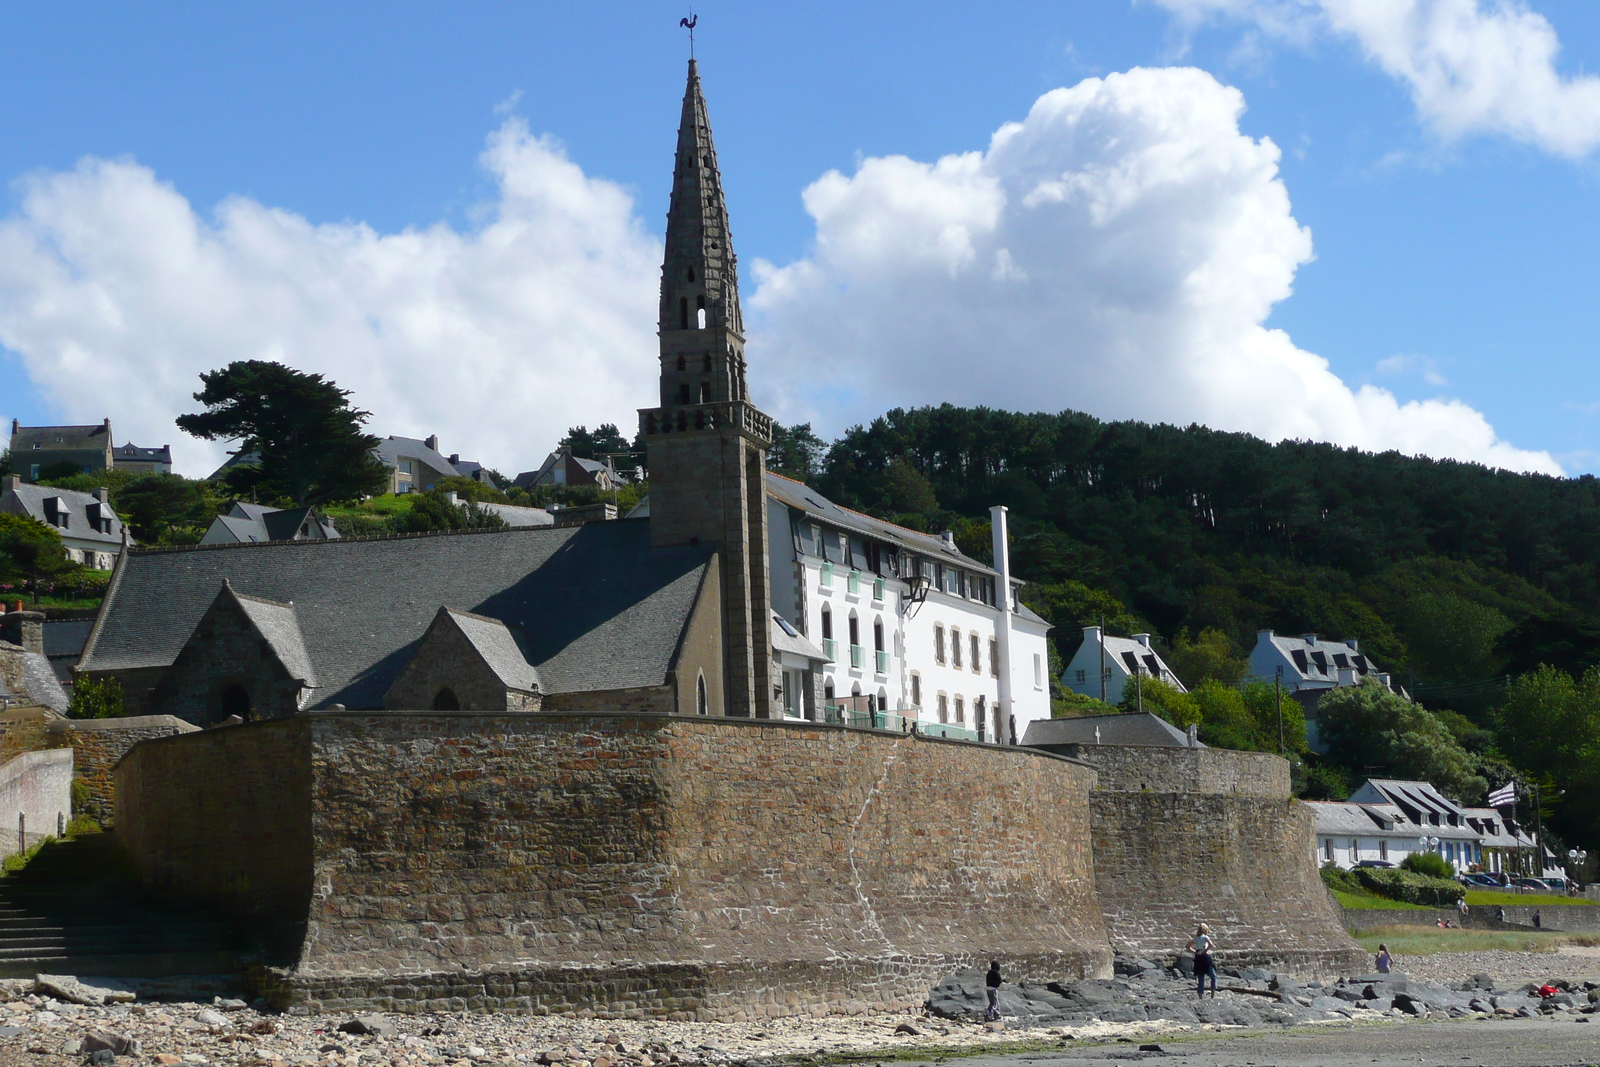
column 122, row 964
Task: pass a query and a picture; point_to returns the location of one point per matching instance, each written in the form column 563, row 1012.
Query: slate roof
column 1132, row 728
column 58, row 438
column 257, row 522
column 498, row 648
column 26, row 498
column 39, row 683
column 280, row 627
column 785, row 638
column 132, row 453
column 392, row 448
column 596, row 606
column 1360, row 820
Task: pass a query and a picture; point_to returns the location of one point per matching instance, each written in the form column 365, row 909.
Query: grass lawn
column 1428, row 940
column 1369, row 901
column 1495, row 896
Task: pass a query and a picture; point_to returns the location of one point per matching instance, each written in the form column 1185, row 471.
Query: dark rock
column 102, row 1057
column 1151, row 1048
column 107, row 1040
column 907, row 1028
column 1410, row 1004
column 375, row 1025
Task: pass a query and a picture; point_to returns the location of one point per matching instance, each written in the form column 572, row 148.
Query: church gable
column 246, row 657
column 465, row 662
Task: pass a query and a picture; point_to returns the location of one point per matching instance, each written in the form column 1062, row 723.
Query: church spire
column 701, row 325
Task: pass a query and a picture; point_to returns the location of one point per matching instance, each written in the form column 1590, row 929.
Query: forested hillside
column 1457, row 579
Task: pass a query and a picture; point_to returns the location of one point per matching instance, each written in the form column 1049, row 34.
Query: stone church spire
column 706, row 443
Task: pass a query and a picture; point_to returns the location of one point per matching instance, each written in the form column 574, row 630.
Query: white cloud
column 1116, row 252
column 1425, row 367
column 116, row 294
column 1471, row 66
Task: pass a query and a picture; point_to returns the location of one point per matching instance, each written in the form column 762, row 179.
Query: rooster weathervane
column 689, row 24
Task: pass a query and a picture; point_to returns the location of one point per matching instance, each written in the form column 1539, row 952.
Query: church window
column 700, row 312
column 683, row 394
column 683, row 313
column 702, row 702
column 445, row 700
column 681, row 364
column 705, row 392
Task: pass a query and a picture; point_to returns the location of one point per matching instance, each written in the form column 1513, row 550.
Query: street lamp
column 1429, row 843
column 1575, row 858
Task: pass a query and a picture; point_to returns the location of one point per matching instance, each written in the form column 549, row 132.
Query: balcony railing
column 940, row 729
column 853, row 585
column 827, row 574
column 877, row 589
column 883, row 662
column 830, row 648
column 857, row 653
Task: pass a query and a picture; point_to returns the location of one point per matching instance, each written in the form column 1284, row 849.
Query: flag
column 1504, row 797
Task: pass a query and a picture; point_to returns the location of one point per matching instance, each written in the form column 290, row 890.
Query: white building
column 1307, row 662
column 910, row 627
column 1387, row 820
column 90, row 531
column 1104, row 665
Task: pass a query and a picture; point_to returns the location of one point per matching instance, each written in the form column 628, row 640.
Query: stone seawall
column 628, row 865
column 35, row 798
column 1184, row 836
column 98, row 744
column 1556, row 917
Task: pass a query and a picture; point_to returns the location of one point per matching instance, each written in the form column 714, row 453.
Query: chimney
column 107, row 425
column 450, row 498
column 25, row 628
column 1143, row 639
column 1091, row 633
column 1194, row 736
column 11, row 481
column 15, row 427
column 1310, row 639
column 949, row 538
column 1355, row 645
column 432, row 441
column 102, row 494
column 455, row 457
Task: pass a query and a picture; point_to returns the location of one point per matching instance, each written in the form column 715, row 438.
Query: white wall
column 38, row 787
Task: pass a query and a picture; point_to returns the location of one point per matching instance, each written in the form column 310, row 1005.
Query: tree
column 1367, row 728
column 165, row 509
column 431, row 511
column 1161, row 699
column 796, row 452
column 308, row 441
column 909, row 491
column 1564, row 639
column 1211, row 655
column 30, row 551
column 96, row 699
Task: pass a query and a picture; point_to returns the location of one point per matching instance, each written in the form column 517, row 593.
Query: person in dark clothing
column 1537, row 922
column 1202, row 943
column 992, row 981
column 1499, row 914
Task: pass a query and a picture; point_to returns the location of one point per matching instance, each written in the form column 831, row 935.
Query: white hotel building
column 909, row 627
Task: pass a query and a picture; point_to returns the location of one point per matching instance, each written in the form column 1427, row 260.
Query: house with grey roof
column 1128, row 728
column 1310, row 666
column 90, row 530
column 26, row 678
column 414, row 465
column 1386, row 820
column 137, row 459
column 247, row 523
column 561, row 467
column 35, row 449
column 1104, row 666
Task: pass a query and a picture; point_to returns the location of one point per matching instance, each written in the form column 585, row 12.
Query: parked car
column 1480, row 879
column 1530, row 883
column 1558, row 884
column 1374, row 863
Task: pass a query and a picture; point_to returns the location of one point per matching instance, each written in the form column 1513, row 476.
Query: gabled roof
column 132, row 453
column 1131, row 728
column 59, row 438
column 595, row 605
column 1315, row 659
column 785, row 638
column 1418, row 800
column 802, row 497
column 31, row 500
column 257, row 522
column 391, row 449
column 1128, row 655
column 493, row 641
column 1365, row 820
column 279, row 626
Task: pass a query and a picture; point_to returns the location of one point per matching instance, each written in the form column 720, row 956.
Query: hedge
column 1409, row 887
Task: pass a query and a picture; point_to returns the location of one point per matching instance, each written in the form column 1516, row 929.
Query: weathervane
column 689, row 24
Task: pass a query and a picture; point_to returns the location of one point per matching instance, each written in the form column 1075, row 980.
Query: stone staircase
column 78, row 908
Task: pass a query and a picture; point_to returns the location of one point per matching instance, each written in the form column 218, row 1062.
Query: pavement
column 1560, row 1042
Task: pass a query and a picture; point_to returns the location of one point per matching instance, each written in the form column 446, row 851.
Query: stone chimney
column 102, row 494
column 432, row 441
column 11, row 481
column 455, row 457
column 15, row 427
column 25, row 628
column 1194, row 736
column 1355, row 645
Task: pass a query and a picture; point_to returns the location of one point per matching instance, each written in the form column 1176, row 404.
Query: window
column 994, row 658
column 1081, row 677
column 683, row 313
column 916, row 690
column 944, row 708
column 978, row 704
column 961, row 711
column 702, row 701
column 855, row 630
column 1327, row 849
column 955, row 648
column 938, row 645
column 683, row 393
column 700, row 312
column 827, row 574
column 1383, row 850
column 977, row 662
column 827, row 691
column 705, row 362
column 1038, row 671
column 682, row 363
column 827, row 622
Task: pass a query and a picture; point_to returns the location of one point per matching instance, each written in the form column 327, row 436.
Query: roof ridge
column 874, row 518
column 152, row 550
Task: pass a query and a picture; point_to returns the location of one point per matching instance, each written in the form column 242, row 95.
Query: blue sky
column 1454, row 258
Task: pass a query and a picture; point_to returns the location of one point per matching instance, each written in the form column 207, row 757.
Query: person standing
column 992, row 982
column 1499, row 914
column 1202, row 944
column 1537, row 921
column 1383, row 961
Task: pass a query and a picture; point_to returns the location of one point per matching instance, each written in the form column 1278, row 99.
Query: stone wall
column 226, row 650
column 35, row 798
column 627, row 865
column 1184, row 836
column 1161, row 769
column 99, row 743
column 1575, row 917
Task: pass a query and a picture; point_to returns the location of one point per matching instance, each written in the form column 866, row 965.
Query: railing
column 941, row 729
column 877, row 589
column 883, row 662
column 846, row 714
column 830, row 648
column 853, row 585
column 856, row 652
column 827, row 574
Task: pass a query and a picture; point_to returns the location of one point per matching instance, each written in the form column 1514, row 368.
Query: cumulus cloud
column 1117, row 252
column 116, row 293
column 1471, row 67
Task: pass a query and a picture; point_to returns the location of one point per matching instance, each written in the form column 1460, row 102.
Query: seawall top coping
column 568, row 716
column 132, row 722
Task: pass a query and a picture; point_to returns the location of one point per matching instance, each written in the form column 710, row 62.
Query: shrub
column 1410, row 887
column 1429, row 863
column 96, row 699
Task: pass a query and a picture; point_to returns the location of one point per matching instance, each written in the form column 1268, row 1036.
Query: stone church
column 668, row 613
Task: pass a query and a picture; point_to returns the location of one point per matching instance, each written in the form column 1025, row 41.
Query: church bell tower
column 706, row 443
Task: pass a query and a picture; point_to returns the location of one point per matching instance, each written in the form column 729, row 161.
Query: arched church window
column 700, row 311
column 683, row 395
column 234, row 700
column 445, row 700
column 683, row 313
column 691, row 274
column 702, row 700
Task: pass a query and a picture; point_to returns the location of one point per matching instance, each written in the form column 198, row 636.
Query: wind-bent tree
column 307, row 442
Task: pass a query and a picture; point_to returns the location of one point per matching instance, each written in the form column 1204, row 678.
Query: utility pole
column 1102, row 659
column 1138, row 689
column 1277, row 687
column 1538, row 832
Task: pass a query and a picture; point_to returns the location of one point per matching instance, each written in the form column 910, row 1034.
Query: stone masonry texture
column 628, row 865
column 1184, row 836
column 98, row 744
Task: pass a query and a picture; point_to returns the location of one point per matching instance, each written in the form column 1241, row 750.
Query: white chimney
column 1143, row 639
